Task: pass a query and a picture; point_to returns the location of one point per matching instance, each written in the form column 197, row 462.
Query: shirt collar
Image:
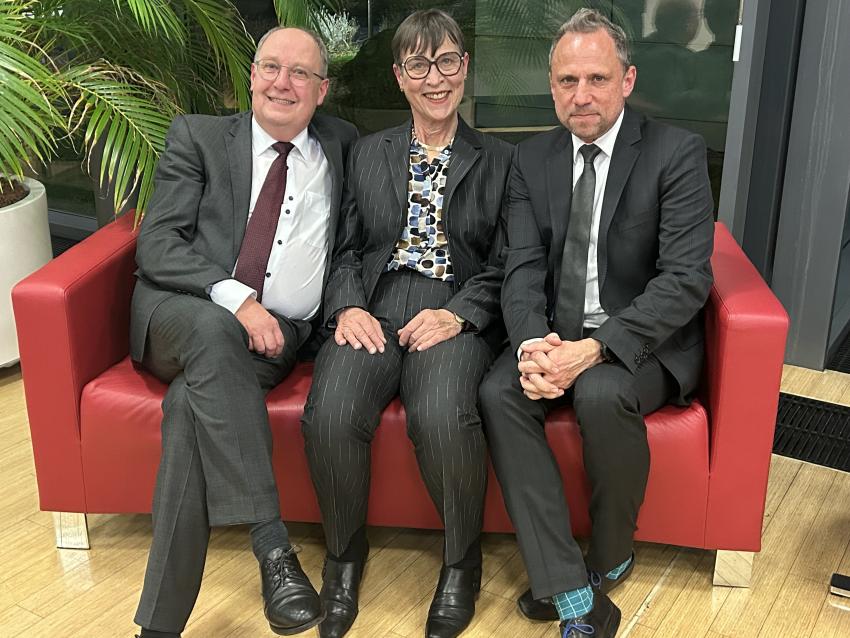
column 261, row 141
column 605, row 142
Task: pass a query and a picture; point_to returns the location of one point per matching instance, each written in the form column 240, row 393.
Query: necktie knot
column 283, row 148
column 589, row 152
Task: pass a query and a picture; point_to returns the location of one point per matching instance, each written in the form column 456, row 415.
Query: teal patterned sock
column 619, row 569
column 575, row 603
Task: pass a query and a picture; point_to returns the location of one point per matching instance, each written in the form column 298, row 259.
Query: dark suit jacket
column 374, row 212
column 655, row 240
column 193, row 228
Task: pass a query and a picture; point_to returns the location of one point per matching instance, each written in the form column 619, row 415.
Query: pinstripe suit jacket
column 656, row 236
column 194, row 225
column 374, row 211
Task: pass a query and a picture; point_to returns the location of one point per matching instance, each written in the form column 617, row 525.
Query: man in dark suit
column 609, row 238
column 233, row 254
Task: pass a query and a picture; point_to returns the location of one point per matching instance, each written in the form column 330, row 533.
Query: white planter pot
column 24, row 248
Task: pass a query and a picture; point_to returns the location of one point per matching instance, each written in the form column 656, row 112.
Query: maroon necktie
column 259, row 236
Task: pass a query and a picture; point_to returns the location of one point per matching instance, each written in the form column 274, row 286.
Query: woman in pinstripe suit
column 413, row 296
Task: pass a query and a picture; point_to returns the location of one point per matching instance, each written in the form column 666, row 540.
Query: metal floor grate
column 813, row 431
column 61, row 244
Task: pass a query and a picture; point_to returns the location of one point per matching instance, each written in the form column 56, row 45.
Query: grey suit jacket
column 656, row 237
column 374, row 212
column 193, row 228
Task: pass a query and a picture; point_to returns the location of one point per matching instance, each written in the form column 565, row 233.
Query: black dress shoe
column 291, row 604
column 544, row 609
column 600, row 622
column 603, row 584
column 340, row 592
column 454, row 602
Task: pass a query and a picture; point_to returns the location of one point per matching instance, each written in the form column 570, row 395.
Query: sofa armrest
column 746, row 329
column 73, row 319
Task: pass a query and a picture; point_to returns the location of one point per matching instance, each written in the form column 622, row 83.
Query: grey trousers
column 216, row 465
column 610, row 403
column 438, row 388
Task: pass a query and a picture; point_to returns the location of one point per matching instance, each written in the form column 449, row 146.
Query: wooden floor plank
column 15, row 621
column 798, row 605
column 829, row 537
column 697, row 604
column 661, row 599
column 834, row 619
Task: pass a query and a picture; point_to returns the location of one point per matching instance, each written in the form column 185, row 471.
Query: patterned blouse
column 423, row 246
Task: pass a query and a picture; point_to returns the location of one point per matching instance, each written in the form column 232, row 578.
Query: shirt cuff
column 231, row 294
column 524, row 343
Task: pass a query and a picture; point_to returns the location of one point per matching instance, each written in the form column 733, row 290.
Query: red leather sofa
column 95, row 418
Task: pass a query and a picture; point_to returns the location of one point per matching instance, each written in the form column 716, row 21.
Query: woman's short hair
column 425, row 31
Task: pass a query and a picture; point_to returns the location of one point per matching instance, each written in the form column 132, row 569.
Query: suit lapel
column 464, row 155
column 238, row 142
column 626, row 152
column 559, row 185
column 333, row 153
column 397, row 156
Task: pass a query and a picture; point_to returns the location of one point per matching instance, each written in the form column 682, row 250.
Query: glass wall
column 682, row 49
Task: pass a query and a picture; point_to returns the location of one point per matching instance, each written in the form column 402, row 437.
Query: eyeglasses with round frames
column 418, row 66
column 270, row 70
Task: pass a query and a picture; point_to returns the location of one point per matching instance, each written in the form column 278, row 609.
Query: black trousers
column 610, row 403
column 216, row 464
column 438, row 388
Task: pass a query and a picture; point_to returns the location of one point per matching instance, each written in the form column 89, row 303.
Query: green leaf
column 128, row 119
column 230, row 42
column 156, row 17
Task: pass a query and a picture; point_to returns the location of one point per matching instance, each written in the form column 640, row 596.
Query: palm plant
column 112, row 74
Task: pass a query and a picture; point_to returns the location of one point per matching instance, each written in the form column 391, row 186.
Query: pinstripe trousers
column 439, row 390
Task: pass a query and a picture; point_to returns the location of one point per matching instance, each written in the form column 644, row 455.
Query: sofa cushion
column 120, row 436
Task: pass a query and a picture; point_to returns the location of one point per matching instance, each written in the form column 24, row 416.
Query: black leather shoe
column 454, row 602
column 340, row 593
column 291, row 604
column 544, row 609
column 600, row 622
column 603, row 584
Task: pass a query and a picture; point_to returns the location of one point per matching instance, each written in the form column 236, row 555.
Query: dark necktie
column 569, row 307
column 259, row 236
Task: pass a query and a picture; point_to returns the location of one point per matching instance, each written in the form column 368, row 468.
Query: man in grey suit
column 604, row 283
column 233, row 254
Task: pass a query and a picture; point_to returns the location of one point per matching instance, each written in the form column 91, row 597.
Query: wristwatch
column 460, row 320
column 607, row 355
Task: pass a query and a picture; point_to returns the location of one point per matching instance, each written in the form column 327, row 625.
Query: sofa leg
column 72, row 531
column 733, row 569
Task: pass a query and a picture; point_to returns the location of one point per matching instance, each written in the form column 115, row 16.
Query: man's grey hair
column 590, row 21
column 323, row 50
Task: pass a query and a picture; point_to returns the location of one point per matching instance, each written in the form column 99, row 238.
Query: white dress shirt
column 293, row 286
column 594, row 315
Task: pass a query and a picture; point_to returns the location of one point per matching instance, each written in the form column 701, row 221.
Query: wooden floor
column 46, row 592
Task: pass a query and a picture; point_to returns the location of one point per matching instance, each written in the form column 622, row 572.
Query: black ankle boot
column 339, row 595
column 454, row 602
